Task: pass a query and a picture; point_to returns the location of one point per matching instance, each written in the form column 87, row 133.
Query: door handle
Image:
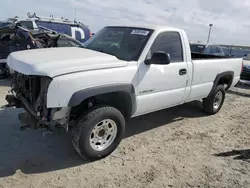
column 182, row 71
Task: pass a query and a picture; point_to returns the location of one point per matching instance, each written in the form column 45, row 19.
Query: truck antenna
column 75, row 16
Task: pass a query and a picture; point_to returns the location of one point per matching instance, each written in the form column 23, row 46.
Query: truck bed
column 205, row 71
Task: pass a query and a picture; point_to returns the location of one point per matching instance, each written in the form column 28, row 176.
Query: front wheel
column 99, row 132
column 214, row 102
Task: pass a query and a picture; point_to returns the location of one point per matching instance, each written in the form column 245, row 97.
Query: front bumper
column 26, row 118
column 32, row 118
column 29, row 92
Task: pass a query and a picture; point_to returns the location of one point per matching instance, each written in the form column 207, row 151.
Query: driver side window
column 169, row 42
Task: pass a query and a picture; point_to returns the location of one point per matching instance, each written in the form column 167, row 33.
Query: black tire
column 84, row 126
column 208, row 103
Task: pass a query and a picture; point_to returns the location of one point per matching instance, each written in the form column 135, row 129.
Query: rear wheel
column 214, row 102
column 99, row 132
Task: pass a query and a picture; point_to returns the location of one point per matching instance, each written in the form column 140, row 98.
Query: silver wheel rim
column 103, row 135
column 218, row 100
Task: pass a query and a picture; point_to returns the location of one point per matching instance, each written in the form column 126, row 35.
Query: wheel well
column 226, row 80
column 120, row 100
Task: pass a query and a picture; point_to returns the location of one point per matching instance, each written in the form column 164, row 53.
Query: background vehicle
column 210, row 49
column 14, row 37
column 122, row 72
column 245, row 74
column 77, row 30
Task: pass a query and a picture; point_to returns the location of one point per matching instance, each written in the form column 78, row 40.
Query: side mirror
column 159, row 58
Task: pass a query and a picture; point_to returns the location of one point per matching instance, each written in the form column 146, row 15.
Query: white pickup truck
column 122, row 72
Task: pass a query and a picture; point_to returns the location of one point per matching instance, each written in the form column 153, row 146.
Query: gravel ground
column 177, row 147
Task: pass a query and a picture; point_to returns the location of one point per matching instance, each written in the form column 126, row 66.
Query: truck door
column 162, row 86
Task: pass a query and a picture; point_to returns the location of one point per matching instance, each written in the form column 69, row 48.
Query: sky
column 230, row 18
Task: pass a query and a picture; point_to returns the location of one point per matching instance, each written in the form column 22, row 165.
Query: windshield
column 126, row 43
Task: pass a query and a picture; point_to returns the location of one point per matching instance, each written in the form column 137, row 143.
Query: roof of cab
column 148, row 26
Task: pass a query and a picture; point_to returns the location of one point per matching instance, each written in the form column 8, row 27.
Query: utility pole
column 210, row 28
column 75, row 16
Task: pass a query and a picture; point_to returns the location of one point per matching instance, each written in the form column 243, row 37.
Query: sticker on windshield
column 139, row 32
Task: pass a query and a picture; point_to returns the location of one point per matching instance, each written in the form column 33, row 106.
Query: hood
column 57, row 61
